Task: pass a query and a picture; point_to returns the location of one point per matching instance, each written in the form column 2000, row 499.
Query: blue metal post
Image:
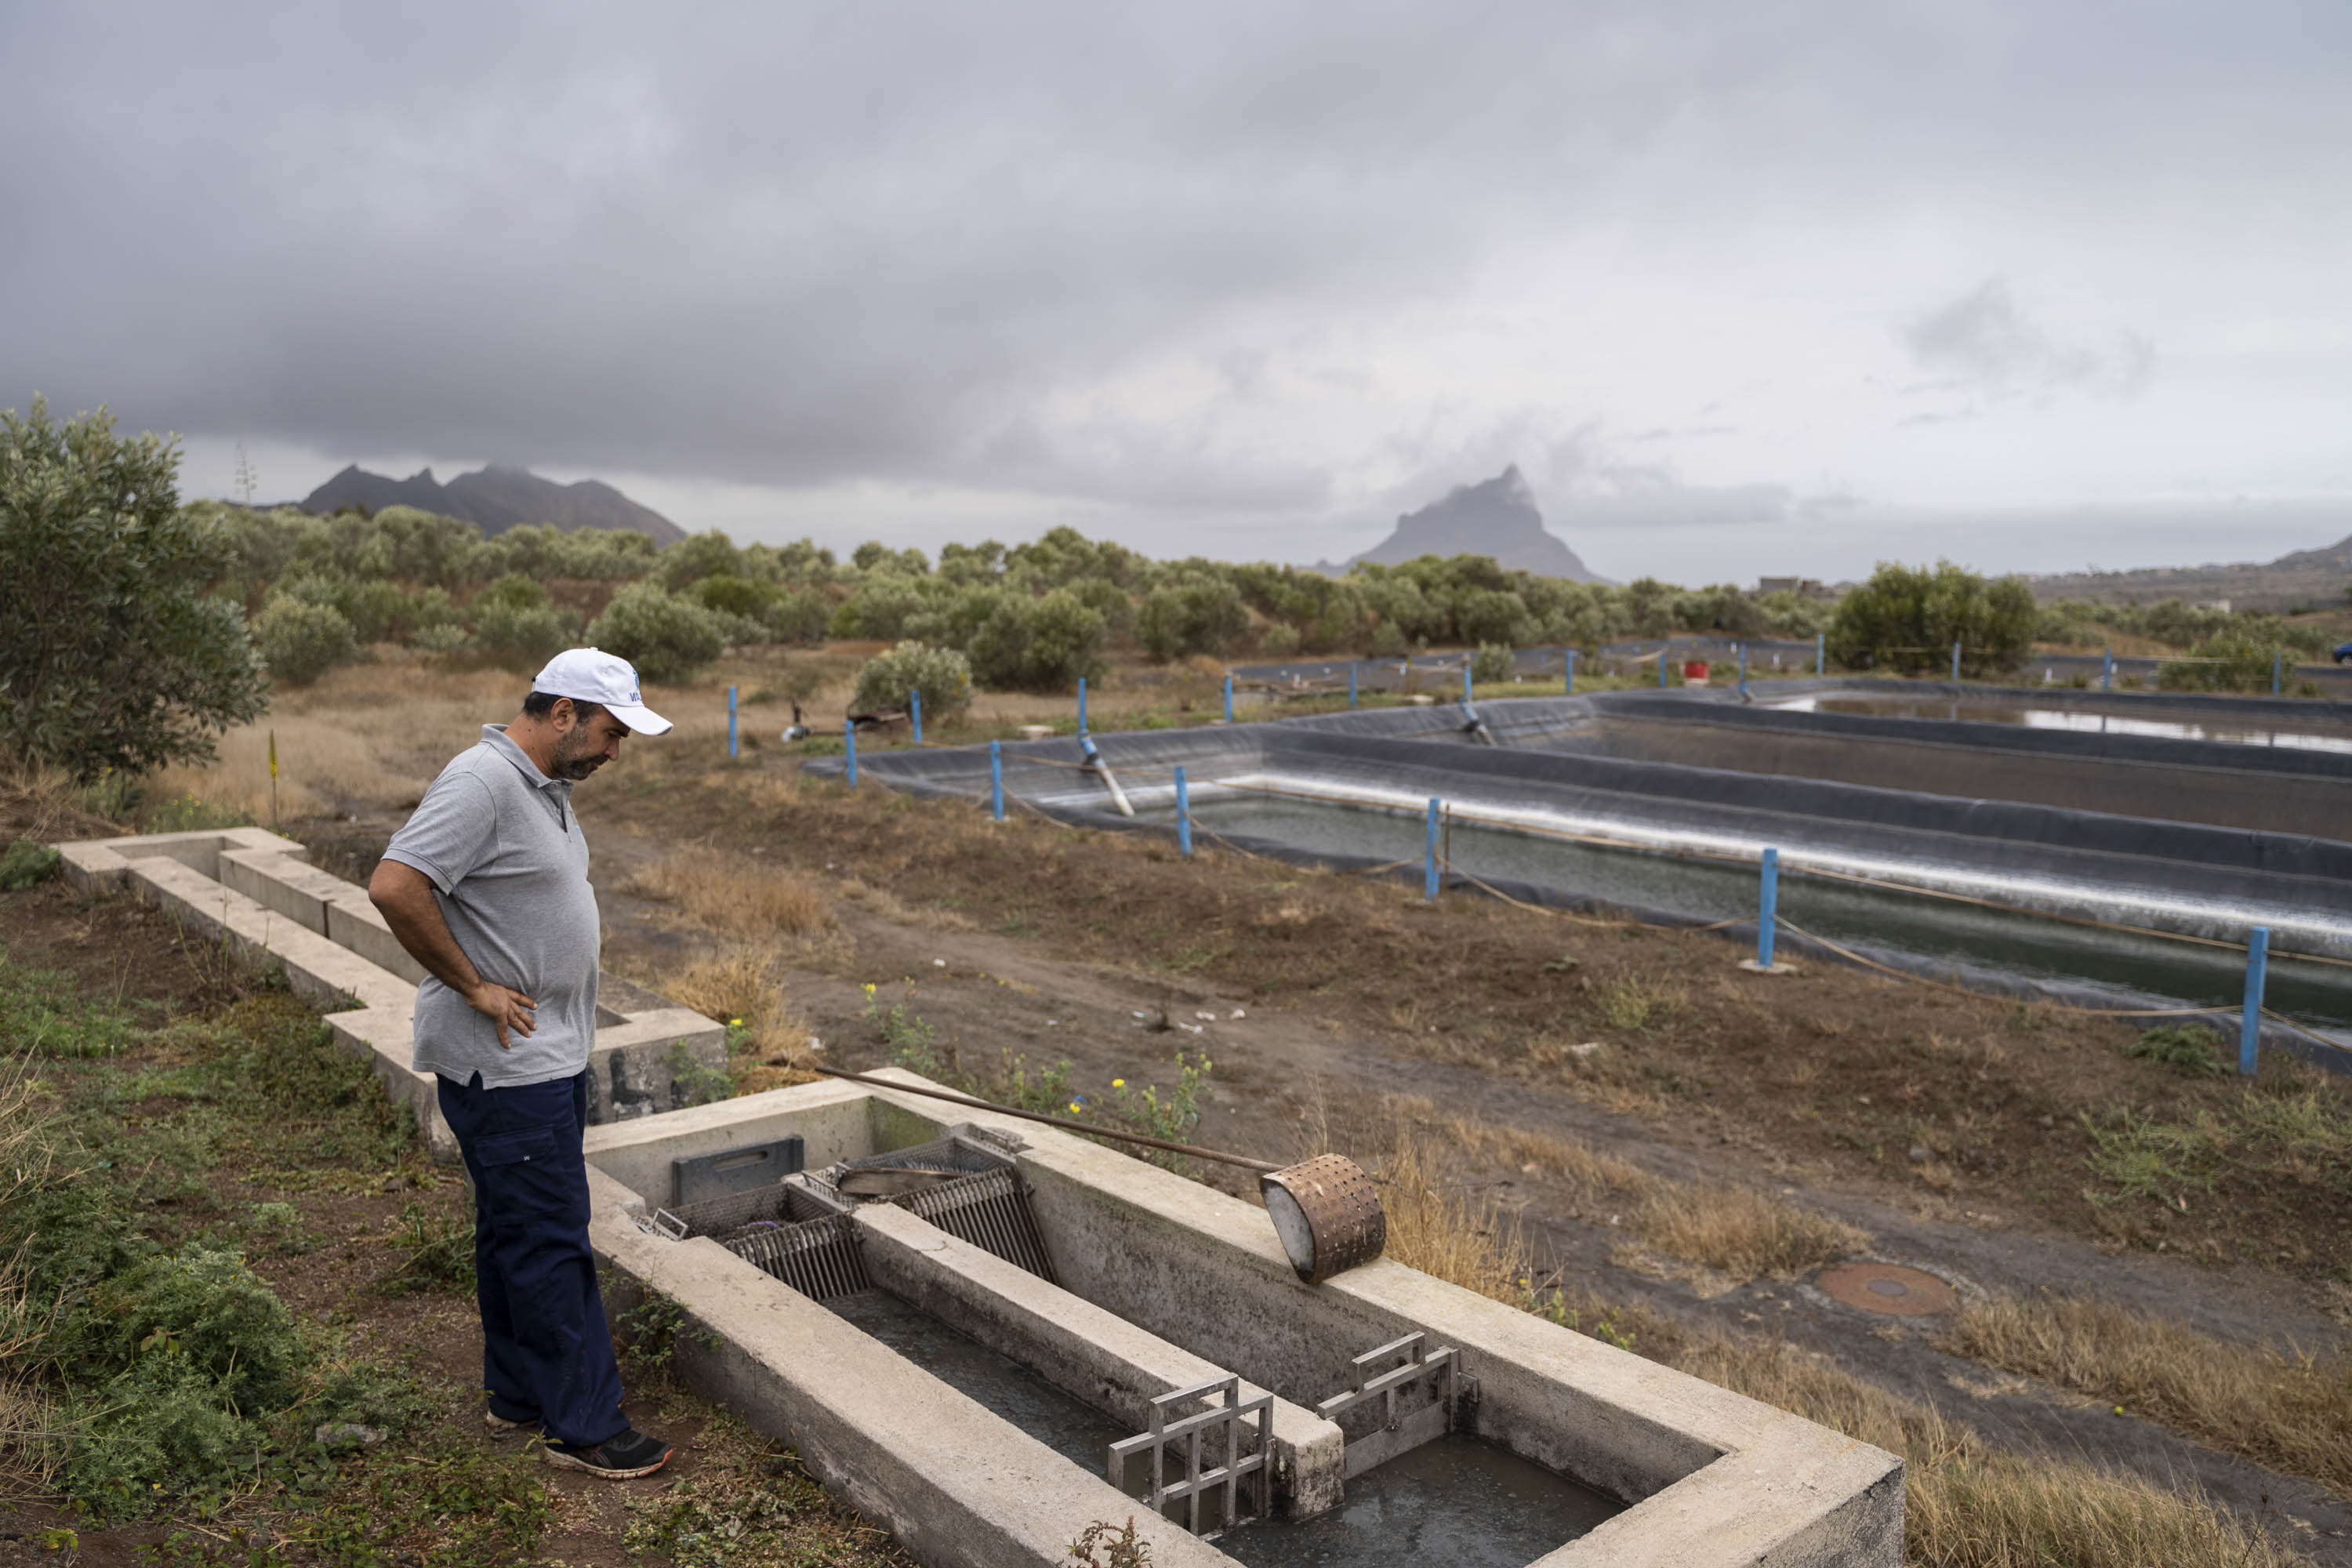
column 1568, row 687
column 1820, row 653
column 1662, row 667
column 1743, row 669
column 1183, row 815
column 1229, row 700
column 1082, row 705
column 2250, row 1026
column 1767, row 910
column 1465, row 678
column 1429, row 857
column 1351, row 685
column 996, row 779
column 2278, row 668
column 1956, row 664
column 2107, row 674
column 849, row 748
column 730, row 723
column 915, row 709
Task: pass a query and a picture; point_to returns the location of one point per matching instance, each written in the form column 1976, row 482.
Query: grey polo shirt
column 510, row 869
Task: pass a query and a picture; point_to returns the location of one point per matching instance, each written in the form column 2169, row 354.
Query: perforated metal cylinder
column 1328, row 1213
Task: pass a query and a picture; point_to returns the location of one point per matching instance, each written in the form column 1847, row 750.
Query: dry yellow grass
column 770, row 1046
column 732, row 896
column 2288, row 1411
column 1965, row 1506
column 1738, row 1233
column 27, row 1163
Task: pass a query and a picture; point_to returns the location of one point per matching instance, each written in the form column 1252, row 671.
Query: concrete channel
column 2020, row 847
column 1039, row 1333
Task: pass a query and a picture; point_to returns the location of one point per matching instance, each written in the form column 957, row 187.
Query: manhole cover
column 1886, row 1288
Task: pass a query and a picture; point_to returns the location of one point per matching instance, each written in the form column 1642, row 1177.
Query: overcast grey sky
column 1741, row 287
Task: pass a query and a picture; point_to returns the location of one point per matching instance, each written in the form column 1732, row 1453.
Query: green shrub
column 2190, row 1047
column 515, row 624
column 880, row 609
column 1492, row 662
column 943, row 675
column 1907, row 618
column 1279, row 640
column 708, row 554
column 26, row 864
column 112, row 654
column 2240, row 656
column 1202, row 616
column 667, row 637
column 300, row 641
column 1037, row 645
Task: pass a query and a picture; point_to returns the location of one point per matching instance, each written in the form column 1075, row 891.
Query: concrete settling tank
column 1052, row 1334
column 2042, row 843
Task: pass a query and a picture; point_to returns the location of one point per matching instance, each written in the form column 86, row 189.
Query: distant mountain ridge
column 2298, row 578
column 1496, row 518
column 495, row 498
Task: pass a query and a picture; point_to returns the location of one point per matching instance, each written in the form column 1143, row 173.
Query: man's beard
column 573, row 760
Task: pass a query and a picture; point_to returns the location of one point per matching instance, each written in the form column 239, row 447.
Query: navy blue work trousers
column 547, row 1356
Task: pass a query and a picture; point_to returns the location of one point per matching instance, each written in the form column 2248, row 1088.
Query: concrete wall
column 257, row 894
column 1178, row 1268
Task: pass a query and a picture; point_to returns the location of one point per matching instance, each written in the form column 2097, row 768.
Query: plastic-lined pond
column 2318, row 735
column 1458, row 1501
column 1876, row 921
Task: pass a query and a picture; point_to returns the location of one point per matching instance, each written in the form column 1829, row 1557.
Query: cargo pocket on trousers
column 530, row 1145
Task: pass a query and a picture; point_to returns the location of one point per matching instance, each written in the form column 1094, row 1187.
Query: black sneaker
column 621, row 1458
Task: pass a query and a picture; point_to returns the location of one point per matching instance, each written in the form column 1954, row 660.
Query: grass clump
column 26, row 863
column 2280, row 1408
column 733, row 896
column 2190, row 1047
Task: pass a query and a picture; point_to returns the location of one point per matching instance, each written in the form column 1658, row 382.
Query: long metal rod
column 1263, row 1167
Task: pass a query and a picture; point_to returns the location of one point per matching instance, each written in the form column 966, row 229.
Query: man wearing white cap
column 487, row 887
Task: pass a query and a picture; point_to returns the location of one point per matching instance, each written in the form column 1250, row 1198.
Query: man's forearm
column 405, row 895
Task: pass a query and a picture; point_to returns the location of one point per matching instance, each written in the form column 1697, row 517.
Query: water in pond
column 2318, row 735
column 1458, row 1501
column 1878, row 921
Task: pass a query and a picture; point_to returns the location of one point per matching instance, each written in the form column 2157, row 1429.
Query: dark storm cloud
column 799, row 244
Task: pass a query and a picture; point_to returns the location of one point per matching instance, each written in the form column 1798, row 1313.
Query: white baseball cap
column 592, row 674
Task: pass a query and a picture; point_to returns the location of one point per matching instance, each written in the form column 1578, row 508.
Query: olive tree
column 113, row 655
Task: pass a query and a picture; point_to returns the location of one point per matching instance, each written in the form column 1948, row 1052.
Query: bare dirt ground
column 2016, row 1153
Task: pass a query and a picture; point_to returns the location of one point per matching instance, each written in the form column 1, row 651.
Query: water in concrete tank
column 2317, row 734
column 1070, row 1427
column 1458, row 1501
column 1874, row 921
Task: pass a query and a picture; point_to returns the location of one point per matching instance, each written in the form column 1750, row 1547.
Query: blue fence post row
column 1183, row 815
column 1767, row 909
column 2249, row 1024
column 1351, row 685
column 849, row 748
column 730, row 723
column 2108, row 671
column 915, row 710
column 1229, row 700
column 1568, row 687
column 996, row 779
column 1429, row 857
column 1956, row 664
column 1820, row 653
column 1743, row 669
column 1082, row 705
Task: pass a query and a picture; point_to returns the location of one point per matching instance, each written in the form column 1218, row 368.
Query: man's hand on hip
column 506, row 1009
